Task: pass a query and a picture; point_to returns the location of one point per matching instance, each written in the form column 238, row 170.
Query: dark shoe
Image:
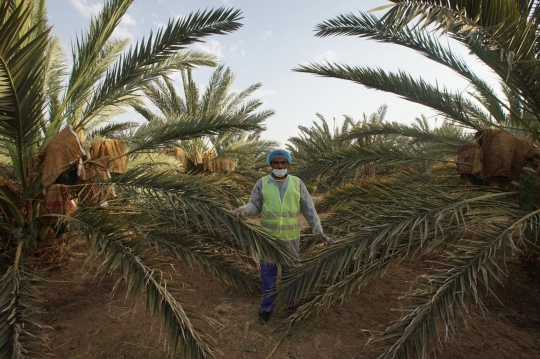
column 263, row 316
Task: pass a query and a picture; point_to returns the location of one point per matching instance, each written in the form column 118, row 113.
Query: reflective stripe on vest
column 281, row 216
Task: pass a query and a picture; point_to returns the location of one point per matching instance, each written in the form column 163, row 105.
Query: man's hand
column 325, row 239
column 237, row 213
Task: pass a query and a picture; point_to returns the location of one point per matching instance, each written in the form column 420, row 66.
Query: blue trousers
column 269, row 277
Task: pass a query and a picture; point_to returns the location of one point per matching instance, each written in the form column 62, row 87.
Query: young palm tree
column 320, row 140
column 421, row 205
column 245, row 148
column 155, row 207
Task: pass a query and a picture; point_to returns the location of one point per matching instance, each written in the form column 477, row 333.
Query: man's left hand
column 325, row 239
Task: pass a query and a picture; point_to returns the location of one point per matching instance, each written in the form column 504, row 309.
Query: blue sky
column 276, row 37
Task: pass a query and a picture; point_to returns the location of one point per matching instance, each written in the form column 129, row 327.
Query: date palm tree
column 245, row 148
column 322, row 140
column 421, row 206
column 155, row 207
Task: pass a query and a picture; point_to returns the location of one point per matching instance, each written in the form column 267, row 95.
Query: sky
column 276, row 37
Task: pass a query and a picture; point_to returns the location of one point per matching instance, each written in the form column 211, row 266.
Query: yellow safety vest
column 281, row 216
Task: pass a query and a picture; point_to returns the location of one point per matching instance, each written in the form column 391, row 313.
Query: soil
column 90, row 321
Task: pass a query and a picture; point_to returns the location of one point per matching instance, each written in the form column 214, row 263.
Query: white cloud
column 175, row 76
column 122, row 33
column 128, row 20
column 85, row 9
column 329, row 56
column 263, row 93
column 226, row 2
column 176, row 17
column 160, row 25
column 267, row 34
column 237, row 50
column 213, row 47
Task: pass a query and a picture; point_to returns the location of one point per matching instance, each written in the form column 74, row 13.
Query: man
column 280, row 198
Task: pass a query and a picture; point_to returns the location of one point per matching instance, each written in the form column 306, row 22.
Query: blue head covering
column 278, row 153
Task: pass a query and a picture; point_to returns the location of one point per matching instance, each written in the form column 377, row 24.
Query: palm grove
column 398, row 198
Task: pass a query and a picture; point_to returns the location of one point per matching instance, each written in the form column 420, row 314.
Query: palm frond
column 191, row 93
column 118, row 251
column 216, row 92
column 148, row 114
column 111, row 130
column 399, row 215
column 57, row 69
column 210, row 257
column 242, row 96
column 154, row 58
column 510, row 34
column 159, row 135
column 80, row 97
column 355, row 157
column 20, row 335
column 196, row 201
column 415, row 132
column 87, row 51
column 447, row 104
column 21, row 76
column 451, row 292
column 369, row 26
column 383, row 225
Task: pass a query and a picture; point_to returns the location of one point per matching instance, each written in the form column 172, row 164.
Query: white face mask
column 279, row 172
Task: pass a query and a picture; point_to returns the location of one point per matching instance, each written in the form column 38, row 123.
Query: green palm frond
column 340, row 197
column 447, row 104
column 452, row 291
column 191, row 93
column 418, row 205
column 318, row 139
column 197, row 201
column 486, row 13
column 157, row 206
column 116, row 250
column 369, row 26
column 355, row 157
column 502, row 27
column 216, row 92
column 210, row 257
column 8, row 104
column 419, row 39
column 21, row 76
column 186, row 59
column 148, row 114
column 160, row 135
column 56, row 70
column 242, row 96
column 521, row 82
column 165, row 97
column 449, row 135
column 20, row 335
column 323, row 140
column 40, row 10
column 385, row 224
column 243, row 148
column 111, row 130
column 79, row 101
column 236, row 143
column 87, row 52
column 152, row 59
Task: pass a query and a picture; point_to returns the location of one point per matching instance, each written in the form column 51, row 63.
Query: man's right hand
column 237, row 213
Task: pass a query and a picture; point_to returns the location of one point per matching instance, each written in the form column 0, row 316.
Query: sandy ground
column 89, row 322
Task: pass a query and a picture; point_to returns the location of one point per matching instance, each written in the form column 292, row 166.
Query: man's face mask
column 279, row 172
